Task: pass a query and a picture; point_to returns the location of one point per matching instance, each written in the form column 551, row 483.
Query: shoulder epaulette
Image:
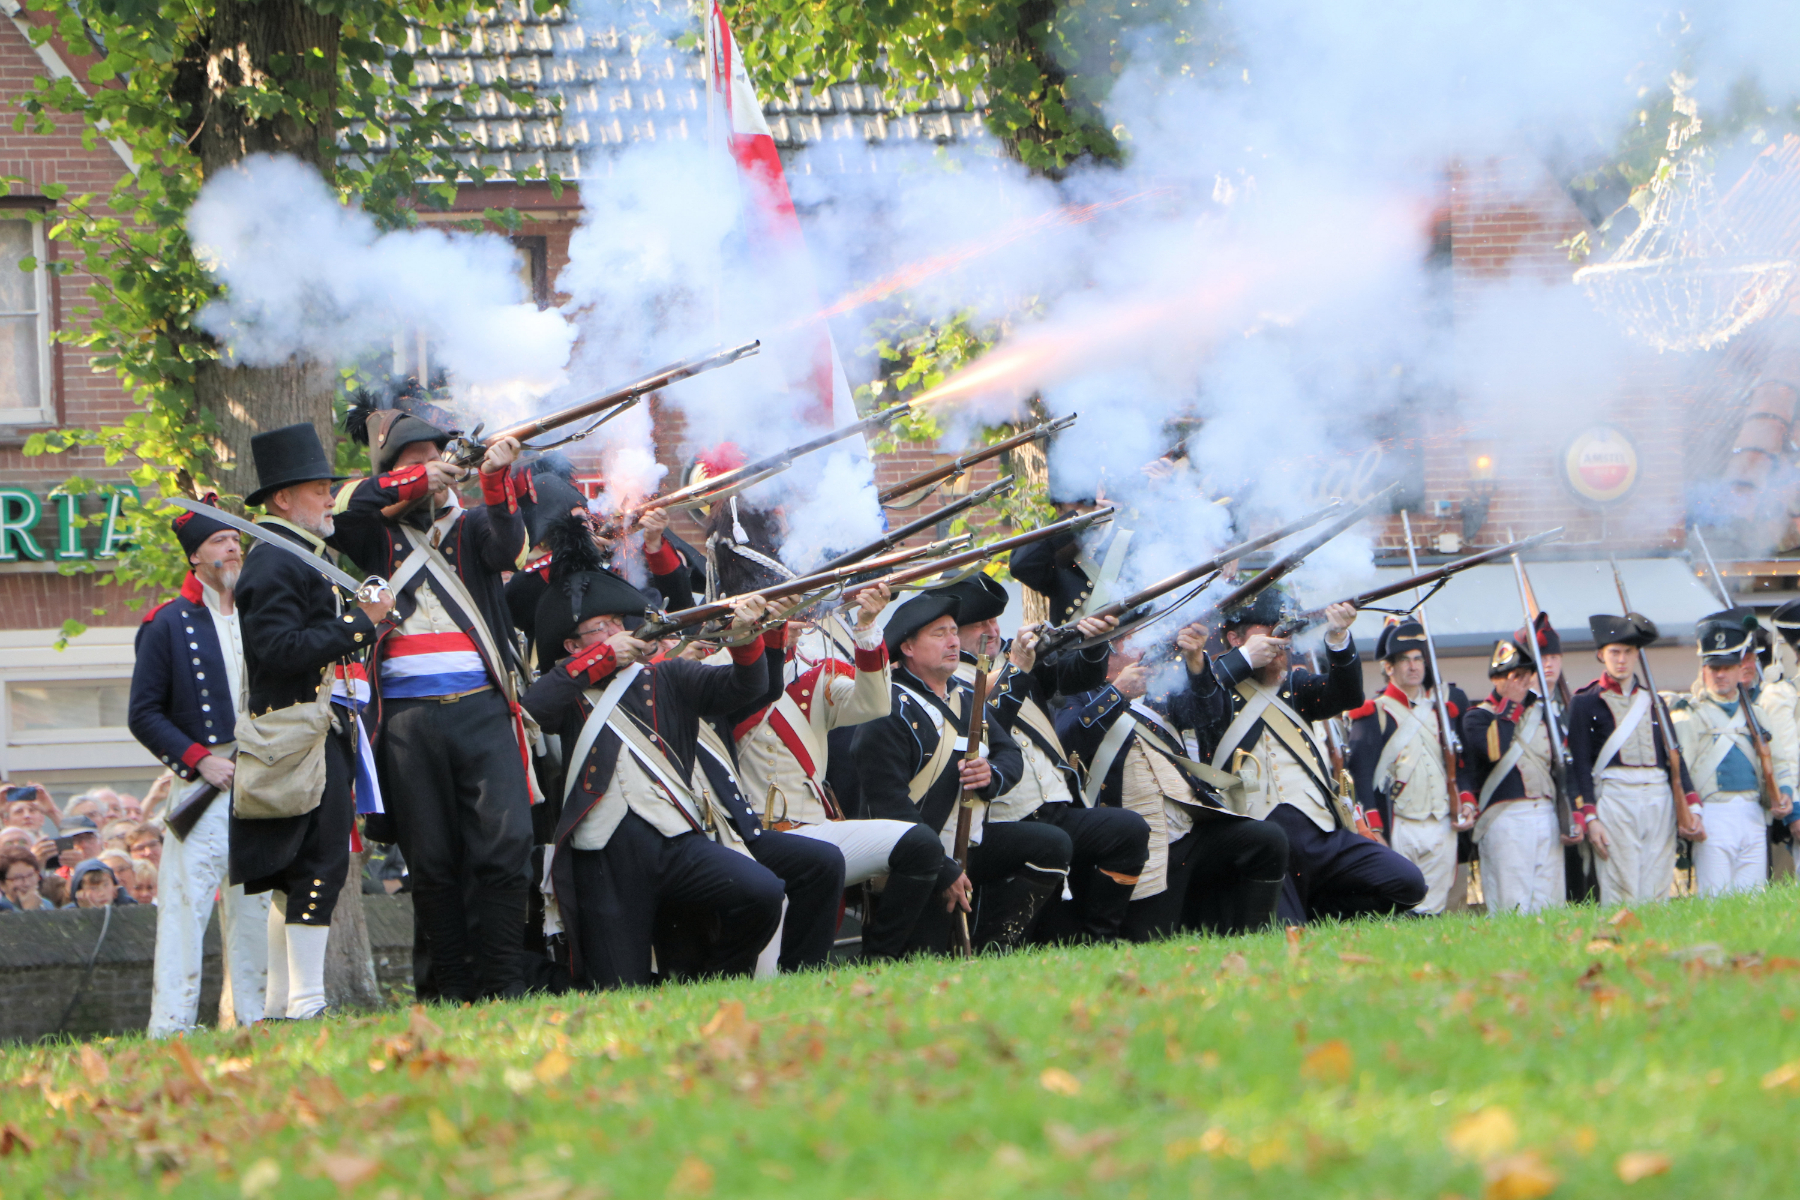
column 1357, row 714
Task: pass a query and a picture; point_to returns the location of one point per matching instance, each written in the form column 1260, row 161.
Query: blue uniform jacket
column 180, row 696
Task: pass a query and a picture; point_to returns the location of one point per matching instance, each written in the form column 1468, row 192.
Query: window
column 25, row 392
column 65, row 711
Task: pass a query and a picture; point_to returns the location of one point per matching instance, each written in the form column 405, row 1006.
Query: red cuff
column 1373, row 818
column 497, row 488
column 409, row 482
column 1693, row 799
column 1584, row 814
column 747, row 653
column 596, row 662
column 1467, row 798
column 776, row 638
column 194, row 754
column 871, row 660
column 666, row 560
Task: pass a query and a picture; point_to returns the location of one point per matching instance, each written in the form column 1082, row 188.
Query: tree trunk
column 1032, row 465
column 288, row 47
column 349, row 964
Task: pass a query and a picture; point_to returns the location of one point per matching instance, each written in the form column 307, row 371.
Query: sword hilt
column 371, row 589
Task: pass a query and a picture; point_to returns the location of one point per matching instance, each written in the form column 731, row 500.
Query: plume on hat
column 570, row 540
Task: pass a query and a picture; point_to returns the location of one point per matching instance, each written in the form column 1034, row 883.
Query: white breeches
column 865, row 845
column 192, row 871
column 1429, row 845
column 1734, row 857
column 1639, row 815
column 1522, row 858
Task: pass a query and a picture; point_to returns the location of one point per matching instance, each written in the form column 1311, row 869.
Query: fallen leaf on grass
column 552, row 1067
column 517, row 1081
column 1055, row 1079
column 1482, row 1135
column 1067, row 1143
column 1293, row 941
column 1234, row 964
column 1358, row 959
column 1786, row 1075
column 349, row 1170
column 861, row 988
column 730, row 1034
column 1642, row 1164
column 1009, row 1157
column 13, row 1138
column 1328, row 1062
column 261, row 1176
column 694, row 1177
column 93, row 1065
column 1625, row 919
column 443, row 1131
column 1519, row 1177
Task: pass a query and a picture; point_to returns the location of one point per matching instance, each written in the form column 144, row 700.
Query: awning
column 1480, row 606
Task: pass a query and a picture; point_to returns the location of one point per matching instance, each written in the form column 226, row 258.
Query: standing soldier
column 1506, row 763
column 1267, row 742
column 1722, row 758
column 451, row 746
column 1783, row 695
column 784, row 752
column 295, row 628
column 1621, row 775
column 187, row 688
column 1396, row 758
column 1111, row 844
column 636, row 838
column 1207, row 868
column 914, row 763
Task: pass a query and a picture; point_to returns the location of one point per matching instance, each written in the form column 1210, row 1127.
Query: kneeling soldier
column 1722, row 759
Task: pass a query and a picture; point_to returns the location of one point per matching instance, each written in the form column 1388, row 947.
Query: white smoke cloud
column 306, row 275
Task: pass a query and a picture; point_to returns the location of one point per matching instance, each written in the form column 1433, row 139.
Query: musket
column 895, row 536
column 1659, row 716
column 949, row 471
column 186, row 814
column 467, row 450
column 661, row 624
column 1300, row 621
column 731, row 482
column 968, row 799
column 1559, row 753
column 1771, row 798
column 1058, row 636
column 1447, row 740
column 908, row 575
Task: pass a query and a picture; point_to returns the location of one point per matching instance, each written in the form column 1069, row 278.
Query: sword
column 367, row 592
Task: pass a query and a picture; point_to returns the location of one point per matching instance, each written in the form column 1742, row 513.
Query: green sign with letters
column 21, row 512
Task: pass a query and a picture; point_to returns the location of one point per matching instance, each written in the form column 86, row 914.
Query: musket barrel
column 894, row 537
column 927, row 478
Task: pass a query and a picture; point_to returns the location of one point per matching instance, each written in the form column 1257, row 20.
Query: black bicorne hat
column 387, row 431
column 1723, row 637
column 1267, row 607
column 1508, row 656
column 580, row 587
column 1632, row 629
column 553, row 497
column 192, row 528
column 1786, row 620
column 287, row 456
column 1399, row 637
column 916, row 614
column 978, row 598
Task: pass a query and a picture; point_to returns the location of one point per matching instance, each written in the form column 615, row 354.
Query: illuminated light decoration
column 1601, row 465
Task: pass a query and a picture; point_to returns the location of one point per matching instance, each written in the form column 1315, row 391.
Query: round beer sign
column 1601, row 465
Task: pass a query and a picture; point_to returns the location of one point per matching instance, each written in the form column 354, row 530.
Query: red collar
column 191, row 589
column 1395, row 692
column 1608, row 683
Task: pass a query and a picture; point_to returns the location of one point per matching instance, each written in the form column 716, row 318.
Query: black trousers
column 1008, row 849
column 1216, row 873
column 1342, row 874
column 1114, row 841
column 308, row 856
column 813, row 875
column 645, row 890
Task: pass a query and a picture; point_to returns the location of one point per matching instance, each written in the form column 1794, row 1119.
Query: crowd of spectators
column 101, row 847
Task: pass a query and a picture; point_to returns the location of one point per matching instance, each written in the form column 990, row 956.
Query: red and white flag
column 800, row 341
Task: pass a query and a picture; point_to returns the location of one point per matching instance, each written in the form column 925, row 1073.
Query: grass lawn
column 1650, row 1055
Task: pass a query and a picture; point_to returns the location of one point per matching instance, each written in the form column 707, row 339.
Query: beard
column 227, row 576
column 321, row 526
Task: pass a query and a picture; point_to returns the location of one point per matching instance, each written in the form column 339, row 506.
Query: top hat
column 286, row 456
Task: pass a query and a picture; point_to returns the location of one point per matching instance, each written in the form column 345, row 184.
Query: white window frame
column 44, row 412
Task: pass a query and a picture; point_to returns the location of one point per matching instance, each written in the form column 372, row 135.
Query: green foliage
column 398, row 151
column 1459, row 1055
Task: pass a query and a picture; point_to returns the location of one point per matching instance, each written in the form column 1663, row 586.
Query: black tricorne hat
column 192, row 528
column 1632, row 629
column 1786, row 620
column 1267, row 607
column 1547, row 638
column 1399, row 637
column 916, row 614
column 1722, row 638
column 978, row 598
column 287, row 456
column 576, row 598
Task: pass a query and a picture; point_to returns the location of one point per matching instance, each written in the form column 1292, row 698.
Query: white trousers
column 865, row 845
column 1735, row 855
column 1639, row 814
column 1429, row 845
column 1522, row 858
column 192, row 871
